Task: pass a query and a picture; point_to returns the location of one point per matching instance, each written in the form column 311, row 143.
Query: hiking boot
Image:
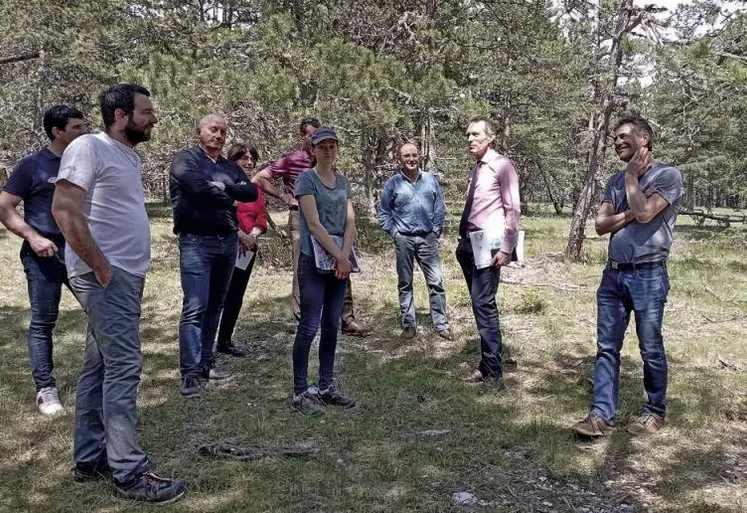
column 216, row 374
column 333, row 396
column 307, row 403
column 446, row 334
column 647, row 423
column 354, row 329
column 190, row 386
column 408, row 332
column 592, row 426
column 88, row 472
column 148, row 487
column 48, row 401
column 230, row 349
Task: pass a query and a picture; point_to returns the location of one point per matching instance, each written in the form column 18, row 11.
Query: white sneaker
column 48, row 401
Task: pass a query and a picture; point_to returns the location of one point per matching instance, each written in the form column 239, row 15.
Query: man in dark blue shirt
column 204, row 189
column 412, row 212
column 42, row 252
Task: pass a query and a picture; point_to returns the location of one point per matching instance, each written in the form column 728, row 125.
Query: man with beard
column 42, row 252
column 288, row 168
column 204, row 188
column 491, row 214
column 412, row 213
column 638, row 210
column 99, row 205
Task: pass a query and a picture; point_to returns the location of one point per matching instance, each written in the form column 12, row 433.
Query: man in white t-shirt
column 99, row 206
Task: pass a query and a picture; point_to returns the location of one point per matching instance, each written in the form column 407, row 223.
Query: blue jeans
column 206, row 263
column 425, row 250
column 322, row 296
column 483, row 286
column 45, row 277
column 106, row 395
column 643, row 292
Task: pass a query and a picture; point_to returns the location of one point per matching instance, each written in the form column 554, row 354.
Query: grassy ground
column 512, row 450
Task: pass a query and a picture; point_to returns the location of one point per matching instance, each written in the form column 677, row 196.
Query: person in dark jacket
column 205, row 187
column 252, row 219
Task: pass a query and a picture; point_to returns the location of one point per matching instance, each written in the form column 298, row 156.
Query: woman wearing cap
column 327, row 218
column 252, row 219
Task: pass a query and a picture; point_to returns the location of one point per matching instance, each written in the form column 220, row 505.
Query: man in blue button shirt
column 412, row 212
column 205, row 187
column 42, row 252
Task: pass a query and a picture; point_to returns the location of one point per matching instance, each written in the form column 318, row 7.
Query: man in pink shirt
column 492, row 213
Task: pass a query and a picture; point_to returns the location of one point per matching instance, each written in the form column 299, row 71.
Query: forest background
column 553, row 74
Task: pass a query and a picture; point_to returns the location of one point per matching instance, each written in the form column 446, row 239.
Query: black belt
column 620, row 266
column 293, row 208
column 415, row 234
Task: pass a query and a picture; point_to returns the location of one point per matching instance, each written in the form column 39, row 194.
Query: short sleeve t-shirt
column 645, row 242
column 31, row 182
column 114, row 206
column 331, row 204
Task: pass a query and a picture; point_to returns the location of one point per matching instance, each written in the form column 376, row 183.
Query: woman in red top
column 252, row 219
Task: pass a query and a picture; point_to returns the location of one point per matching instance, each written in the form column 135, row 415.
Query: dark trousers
column 322, row 296
column 483, row 286
column 45, row 277
column 234, row 300
column 205, row 264
column 294, row 226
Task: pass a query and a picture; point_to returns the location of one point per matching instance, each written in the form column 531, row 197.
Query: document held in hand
column 486, row 243
column 242, row 261
column 326, row 262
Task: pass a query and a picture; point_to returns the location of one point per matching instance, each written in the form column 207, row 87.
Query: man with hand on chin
column 204, row 189
column 638, row 210
column 99, row 205
column 492, row 206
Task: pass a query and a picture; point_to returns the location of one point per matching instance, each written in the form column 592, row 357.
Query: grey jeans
column 106, row 404
column 425, row 250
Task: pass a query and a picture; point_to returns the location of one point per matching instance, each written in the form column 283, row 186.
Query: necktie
column 470, row 200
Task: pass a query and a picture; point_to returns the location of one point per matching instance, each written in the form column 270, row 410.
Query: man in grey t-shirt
column 638, row 210
column 99, row 206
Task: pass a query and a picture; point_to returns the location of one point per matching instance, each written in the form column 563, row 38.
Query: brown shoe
column 409, row 332
column 592, row 426
column 445, row 334
column 647, row 423
column 354, row 329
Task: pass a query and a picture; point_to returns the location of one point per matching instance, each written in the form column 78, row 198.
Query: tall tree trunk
column 427, row 138
column 374, row 154
column 623, row 25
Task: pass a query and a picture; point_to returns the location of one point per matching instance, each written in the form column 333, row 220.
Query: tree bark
column 605, row 99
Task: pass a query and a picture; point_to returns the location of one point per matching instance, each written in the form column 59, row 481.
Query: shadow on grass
column 375, row 457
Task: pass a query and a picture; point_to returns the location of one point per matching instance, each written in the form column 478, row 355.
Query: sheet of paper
column 243, row 261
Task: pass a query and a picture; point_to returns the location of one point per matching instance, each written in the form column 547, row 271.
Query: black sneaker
column 333, row 396
column 307, row 403
column 148, row 487
column 190, row 386
column 230, row 349
column 87, row 472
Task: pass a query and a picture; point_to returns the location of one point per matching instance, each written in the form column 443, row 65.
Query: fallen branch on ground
column 542, row 284
column 233, row 451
